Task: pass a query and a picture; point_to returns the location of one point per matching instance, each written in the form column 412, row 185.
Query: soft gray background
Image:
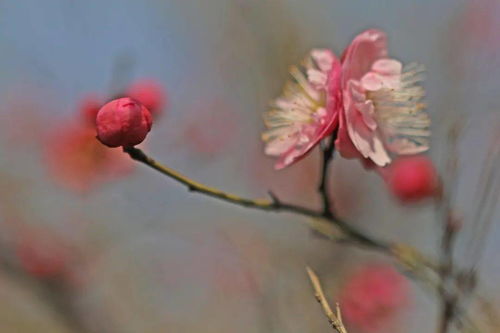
column 161, row 249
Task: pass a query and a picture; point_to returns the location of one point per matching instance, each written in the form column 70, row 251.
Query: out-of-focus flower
column 88, row 108
column 307, row 112
column 479, row 27
column 150, row 94
column 210, row 128
column 382, row 100
column 42, row 255
column 78, row 161
column 412, row 178
column 123, row 122
column 372, row 296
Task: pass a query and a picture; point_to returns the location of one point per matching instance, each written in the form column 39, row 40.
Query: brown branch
column 327, row 156
column 335, row 320
column 420, row 268
column 273, row 205
column 449, row 297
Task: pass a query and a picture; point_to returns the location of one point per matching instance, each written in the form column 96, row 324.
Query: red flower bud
column 123, row 122
column 412, row 179
column 150, row 94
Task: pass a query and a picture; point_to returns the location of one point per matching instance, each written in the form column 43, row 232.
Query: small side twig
column 335, row 319
column 449, row 299
column 327, row 156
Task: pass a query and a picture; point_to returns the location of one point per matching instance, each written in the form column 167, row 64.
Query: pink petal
column 344, row 144
column 324, row 58
column 327, row 121
column 367, row 141
column 372, row 81
column 387, row 67
column 366, row 48
column 385, row 73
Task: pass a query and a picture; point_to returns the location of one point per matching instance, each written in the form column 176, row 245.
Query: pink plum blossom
column 307, row 112
column 372, row 296
column 412, row 178
column 382, row 103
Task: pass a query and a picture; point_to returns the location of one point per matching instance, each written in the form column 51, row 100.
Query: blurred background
column 91, row 242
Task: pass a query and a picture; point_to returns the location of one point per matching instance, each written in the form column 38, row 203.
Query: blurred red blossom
column 372, row 296
column 88, row 108
column 149, row 93
column 123, row 122
column 479, row 27
column 77, row 160
column 42, row 254
column 412, row 179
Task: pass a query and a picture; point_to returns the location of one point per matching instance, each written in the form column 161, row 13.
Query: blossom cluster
column 370, row 103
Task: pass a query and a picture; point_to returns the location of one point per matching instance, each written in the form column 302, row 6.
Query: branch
column 449, row 299
column 274, row 205
column 328, row 152
column 334, row 319
column 421, row 269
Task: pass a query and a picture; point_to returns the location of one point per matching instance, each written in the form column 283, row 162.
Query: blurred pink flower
column 43, row 255
column 307, row 112
column 88, row 108
column 77, row 160
column 382, row 103
column 149, row 93
column 479, row 27
column 372, row 296
column 412, row 178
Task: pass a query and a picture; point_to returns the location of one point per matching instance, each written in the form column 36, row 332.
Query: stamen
column 400, row 113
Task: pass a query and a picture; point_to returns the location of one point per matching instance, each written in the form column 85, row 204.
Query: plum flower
column 412, row 179
column 383, row 111
column 307, row 112
column 372, row 296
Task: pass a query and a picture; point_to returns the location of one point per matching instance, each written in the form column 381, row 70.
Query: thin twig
column 421, row 269
column 327, row 155
column 449, row 298
column 334, row 319
column 274, row 205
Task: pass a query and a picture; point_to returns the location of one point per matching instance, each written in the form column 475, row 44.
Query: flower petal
column 387, row 67
column 366, row 48
column 366, row 140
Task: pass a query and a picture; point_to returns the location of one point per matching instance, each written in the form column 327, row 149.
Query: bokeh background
column 141, row 254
